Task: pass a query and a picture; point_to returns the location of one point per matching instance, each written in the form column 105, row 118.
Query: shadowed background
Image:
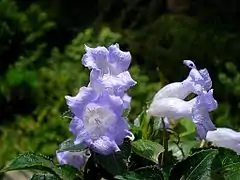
column 41, row 45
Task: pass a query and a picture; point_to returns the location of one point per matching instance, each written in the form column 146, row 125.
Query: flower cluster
column 98, row 121
column 169, row 101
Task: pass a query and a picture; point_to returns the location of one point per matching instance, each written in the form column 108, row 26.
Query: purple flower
column 98, row 121
column 108, row 60
column 200, row 113
column 76, row 159
column 115, row 84
column 109, row 70
column 200, row 79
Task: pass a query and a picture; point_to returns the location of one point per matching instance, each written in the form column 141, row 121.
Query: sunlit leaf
column 147, row 149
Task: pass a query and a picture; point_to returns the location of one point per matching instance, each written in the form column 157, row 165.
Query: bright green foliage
column 147, row 149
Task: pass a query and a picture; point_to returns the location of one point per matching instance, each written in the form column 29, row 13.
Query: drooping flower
column 76, row 159
column 225, row 137
column 196, row 82
column 98, row 121
column 196, row 109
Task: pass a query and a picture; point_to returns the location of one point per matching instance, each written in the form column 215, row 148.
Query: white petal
column 172, row 108
column 225, row 137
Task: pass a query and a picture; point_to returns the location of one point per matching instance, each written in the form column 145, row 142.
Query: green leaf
column 144, row 123
column 43, row 164
column 182, row 148
column 147, row 149
column 145, row 173
column 69, row 145
column 31, row 161
column 68, row 172
column 226, row 165
column 112, row 163
column 186, row 129
column 197, row 166
column 44, row 177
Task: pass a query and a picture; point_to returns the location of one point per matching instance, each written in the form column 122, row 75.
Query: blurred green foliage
column 40, row 63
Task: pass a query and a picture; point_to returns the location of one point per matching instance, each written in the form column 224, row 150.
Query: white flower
column 225, row 137
column 196, row 109
column 196, row 82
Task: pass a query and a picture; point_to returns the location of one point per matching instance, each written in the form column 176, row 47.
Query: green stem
column 202, row 143
column 165, row 144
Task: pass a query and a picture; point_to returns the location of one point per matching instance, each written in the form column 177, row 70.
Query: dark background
column 41, row 44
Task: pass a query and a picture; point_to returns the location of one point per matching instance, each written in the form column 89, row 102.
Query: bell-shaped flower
column 109, row 60
column 109, row 70
column 173, row 108
column 196, row 109
column 196, row 82
column 76, row 159
column 116, row 85
column 98, row 121
column 226, row 138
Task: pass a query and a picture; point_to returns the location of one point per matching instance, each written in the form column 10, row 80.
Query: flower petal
column 112, row 102
column 76, row 159
column 104, row 146
column 203, row 121
column 207, row 79
column 126, row 101
column 119, row 130
column 119, row 60
column 225, row 137
column 77, row 103
column 76, row 125
column 96, row 58
column 172, row 108
column 189, row 64
column 174, row 90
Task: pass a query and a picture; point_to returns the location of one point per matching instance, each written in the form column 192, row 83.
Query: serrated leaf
column 31, row 161
column 113, row 163
column 145, row 173
column 197, row 166
column 68, row 172
column 43, row 164
column 44, row 177
column 69, row 145
column 226, row 165
column 147, row 149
